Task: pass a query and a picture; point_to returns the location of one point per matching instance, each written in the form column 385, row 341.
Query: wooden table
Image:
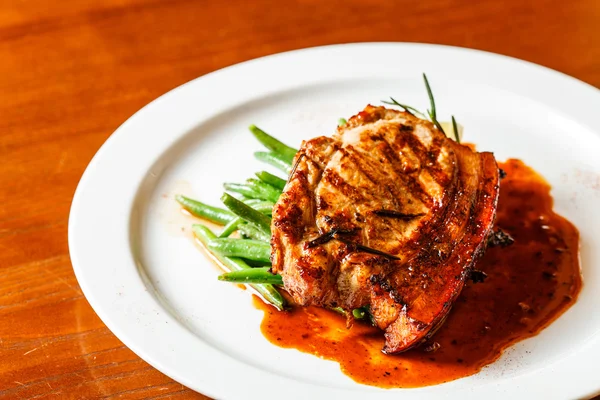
column 71, row 72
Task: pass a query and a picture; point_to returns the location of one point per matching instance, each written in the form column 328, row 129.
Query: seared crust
column 394, row 183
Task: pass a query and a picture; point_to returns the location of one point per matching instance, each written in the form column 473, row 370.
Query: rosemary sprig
column 328, row 236
column 408, row 109
column 396, row 214
column 432, row 112
column 324, row 238
column 335, row 234
column 366, row 249
column 295, row 166
column 455, row 128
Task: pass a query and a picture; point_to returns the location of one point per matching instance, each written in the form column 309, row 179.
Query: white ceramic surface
column 159, row 294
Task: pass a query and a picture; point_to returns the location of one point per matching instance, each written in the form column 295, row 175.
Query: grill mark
column 436, row 147
column 358, row 161
column 343, row 187
column 322, row 204
column 438, row 215
column 435, row 171
column 431, row 153
column 414, row 187
column 439, row 176
column 390, row 182
column 423, row 153
column 351, row 153
column 412, row 141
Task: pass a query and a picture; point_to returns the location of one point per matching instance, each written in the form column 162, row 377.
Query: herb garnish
column 432, row 114
column 366, row 249
column 455, row 128
column 324, row 238
column 396, row 214
column 335, row 234
column 408, row 109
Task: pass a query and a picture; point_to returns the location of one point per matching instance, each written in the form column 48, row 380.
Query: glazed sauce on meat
column 529, row 284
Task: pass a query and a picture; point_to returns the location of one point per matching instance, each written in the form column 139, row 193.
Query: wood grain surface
column 72, row 71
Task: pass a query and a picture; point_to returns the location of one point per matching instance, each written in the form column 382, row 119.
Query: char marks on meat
column 390, row 182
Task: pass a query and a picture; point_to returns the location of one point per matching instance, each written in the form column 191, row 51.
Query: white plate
column 159, row 294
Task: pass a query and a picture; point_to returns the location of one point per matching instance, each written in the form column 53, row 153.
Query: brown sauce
column 529, row 284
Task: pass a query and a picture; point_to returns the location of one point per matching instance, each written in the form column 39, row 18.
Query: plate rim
column 83, row 188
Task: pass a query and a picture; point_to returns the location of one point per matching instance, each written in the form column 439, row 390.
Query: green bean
column 268, row 292
column 253, row 232
column 255, row 189
column 265, row 207
column 254, row 275
column 231, row 227
column 213, row 214
column 254, row 263
column 235, row 224
column 358, row 313
column 274, row 160
column 339, row 310
column 248, row 213
column 241, row 197
column 243, row 248
column 243, row 189
column 287, row 153
column 264, row 190
column 252, row 202
column 271, row 179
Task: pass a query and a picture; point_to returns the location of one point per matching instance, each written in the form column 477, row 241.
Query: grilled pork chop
column 388, row 213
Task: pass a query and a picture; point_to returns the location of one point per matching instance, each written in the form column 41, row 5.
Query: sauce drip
column 529, row 284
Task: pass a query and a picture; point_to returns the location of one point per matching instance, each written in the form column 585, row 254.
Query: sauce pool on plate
column 529, row 284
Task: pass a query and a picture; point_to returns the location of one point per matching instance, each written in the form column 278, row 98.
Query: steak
column 388, row 213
